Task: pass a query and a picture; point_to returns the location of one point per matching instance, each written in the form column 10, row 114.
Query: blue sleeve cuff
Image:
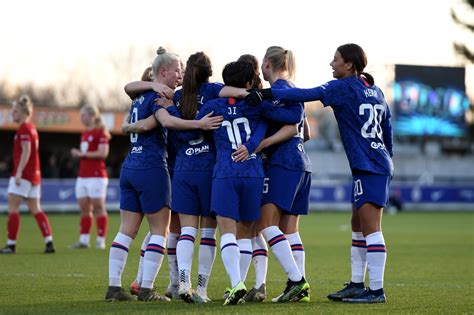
column 251, row 147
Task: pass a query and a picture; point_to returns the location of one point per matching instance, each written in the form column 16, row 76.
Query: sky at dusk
column 107, row 43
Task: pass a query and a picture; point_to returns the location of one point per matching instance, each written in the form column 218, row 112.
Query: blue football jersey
column 240, row 122
column 171, row 150
column 148, row 149
column 363, row 117
column 198, row 152
column 289, row 154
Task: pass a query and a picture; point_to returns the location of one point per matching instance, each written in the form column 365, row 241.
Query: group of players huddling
column 231, row 155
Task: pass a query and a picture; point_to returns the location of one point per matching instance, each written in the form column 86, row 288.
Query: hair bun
column 160, row 51
column 24, row 99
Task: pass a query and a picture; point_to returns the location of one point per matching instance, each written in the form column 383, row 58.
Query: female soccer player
column 363, row 117
column 91, row 185
column 145, row 184
column 25, row 181
column 172, row 291
column 284, row 142
column 192, row 178
column 287, row 185
column 252, row 246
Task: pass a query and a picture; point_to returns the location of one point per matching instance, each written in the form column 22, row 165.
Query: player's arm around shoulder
column 207, row 122
column 140, row 126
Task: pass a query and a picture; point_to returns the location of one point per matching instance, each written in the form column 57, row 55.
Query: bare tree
column 462, row 49
column 100, row 83
column 5, row 92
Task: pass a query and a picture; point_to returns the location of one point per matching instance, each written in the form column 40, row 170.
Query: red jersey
column 27, row 133
column 90, row 141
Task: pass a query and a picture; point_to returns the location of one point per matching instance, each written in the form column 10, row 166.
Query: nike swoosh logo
column 65, row 193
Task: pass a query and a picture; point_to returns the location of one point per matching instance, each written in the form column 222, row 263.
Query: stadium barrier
column 58, row 195
column 448, row 197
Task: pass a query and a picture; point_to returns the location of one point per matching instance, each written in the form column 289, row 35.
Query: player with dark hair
column 192, row 179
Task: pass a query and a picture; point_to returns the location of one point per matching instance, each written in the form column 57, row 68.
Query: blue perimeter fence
column 58, row 195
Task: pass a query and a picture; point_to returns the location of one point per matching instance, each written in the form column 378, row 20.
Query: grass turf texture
column 430, row 269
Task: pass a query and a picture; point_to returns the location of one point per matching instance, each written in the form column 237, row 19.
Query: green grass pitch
column 430, row 269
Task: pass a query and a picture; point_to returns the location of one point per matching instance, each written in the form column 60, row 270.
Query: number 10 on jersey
column 233, row 131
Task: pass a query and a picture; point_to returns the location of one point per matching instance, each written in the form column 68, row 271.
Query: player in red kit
column 91, row 184
column 26, row 178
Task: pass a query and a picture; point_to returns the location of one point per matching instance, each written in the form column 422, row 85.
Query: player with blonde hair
column 24, row 184
column 91, row 184
column 145, row 183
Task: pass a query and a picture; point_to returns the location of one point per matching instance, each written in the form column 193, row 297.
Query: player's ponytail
column 198, row 70
column 368, row 77
column 100, row 123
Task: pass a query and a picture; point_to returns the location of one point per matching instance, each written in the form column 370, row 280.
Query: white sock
column 152, row 260
column 245, row 248
column 172, row 259
column 100, row 240
column 142, row 253
column 185, row 253
column 376, row 257
column 84, row 238
column 297, row 249
column 358, row 257
column 118, row 258
column 260, row 259
column 11, row 242
column 207, row 254
column 48, row 239
column 230, row 257
column 185, row 248
column 282, row 251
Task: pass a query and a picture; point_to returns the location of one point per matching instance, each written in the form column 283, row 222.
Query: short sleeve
column 103, row 139
column 25, row 135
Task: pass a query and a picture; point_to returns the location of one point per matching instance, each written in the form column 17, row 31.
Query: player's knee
column 130, row 231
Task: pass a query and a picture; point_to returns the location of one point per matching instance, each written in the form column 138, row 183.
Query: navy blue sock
column 357, row 284
column 376, row 292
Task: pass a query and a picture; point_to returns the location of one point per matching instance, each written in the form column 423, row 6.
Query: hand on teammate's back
column 210, row 122
column 241, row 154
column 256, row 96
